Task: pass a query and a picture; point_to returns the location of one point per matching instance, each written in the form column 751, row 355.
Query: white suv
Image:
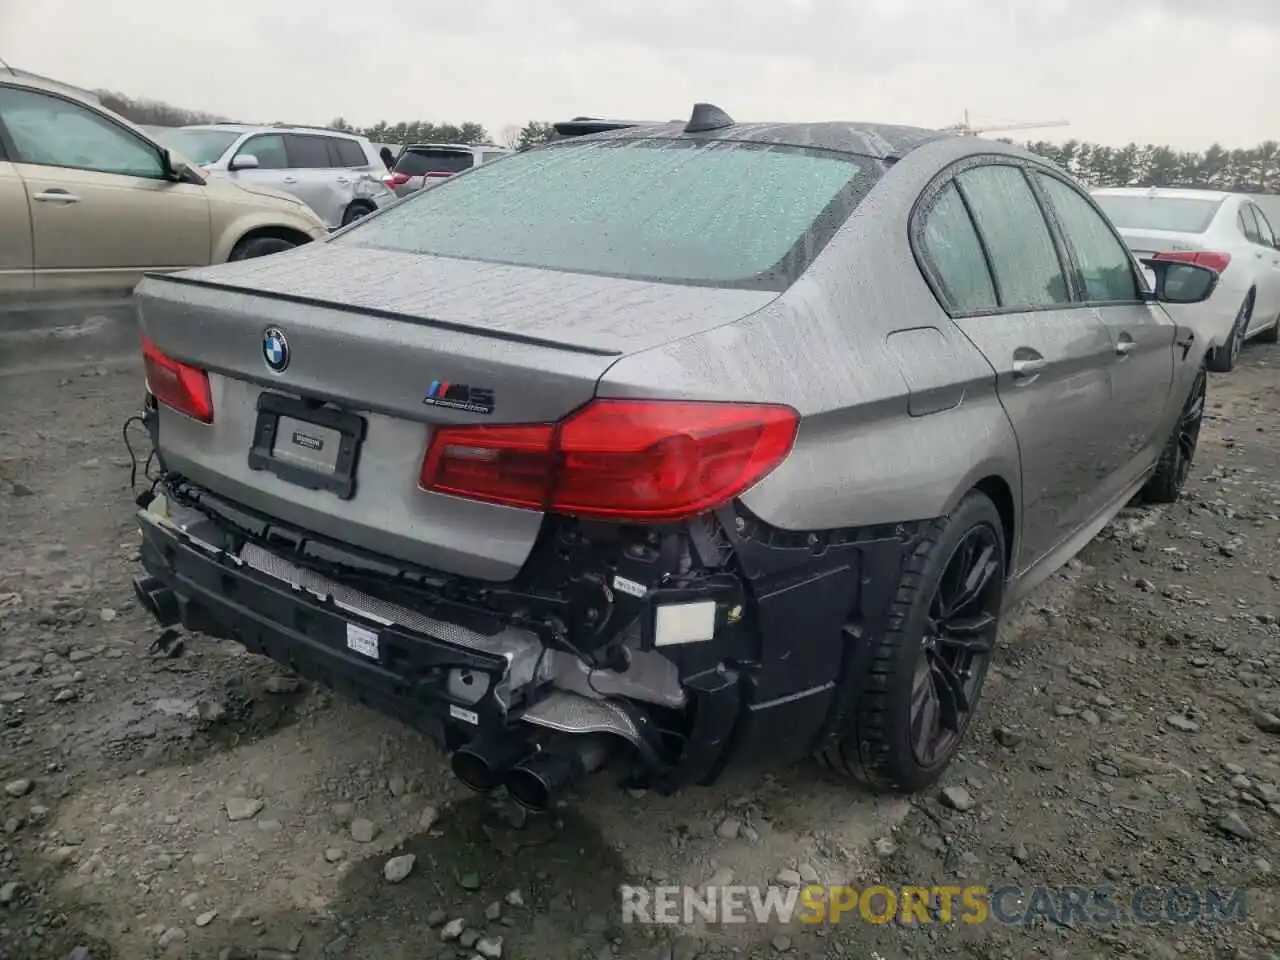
column 338, row 174
column 422, row 163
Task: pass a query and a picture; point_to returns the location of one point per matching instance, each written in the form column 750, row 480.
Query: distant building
column 74, row 91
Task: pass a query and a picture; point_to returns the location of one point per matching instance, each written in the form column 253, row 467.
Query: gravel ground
column 199, row 803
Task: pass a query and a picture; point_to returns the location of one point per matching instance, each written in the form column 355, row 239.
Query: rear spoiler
column 584, row 126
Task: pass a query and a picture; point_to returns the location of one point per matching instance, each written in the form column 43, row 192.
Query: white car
column 1226, row 232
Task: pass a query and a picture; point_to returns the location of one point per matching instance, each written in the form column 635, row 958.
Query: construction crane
column 965, row 129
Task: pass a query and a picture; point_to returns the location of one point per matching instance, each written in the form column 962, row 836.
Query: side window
column 1027, row 269
column 1265, row 233
column 269, row 149
column 490, row 155
column 1248, row 224
column 307, row 153
column 53, row 132
column 950, row 243
column 1106, row 267
column 348, row 153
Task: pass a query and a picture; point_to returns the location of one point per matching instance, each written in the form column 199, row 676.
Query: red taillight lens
column 630, row 460
column 1201, row 258
column 178, row 386
column 395, row 179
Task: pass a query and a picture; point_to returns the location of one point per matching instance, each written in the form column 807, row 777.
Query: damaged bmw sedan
column 670, row 447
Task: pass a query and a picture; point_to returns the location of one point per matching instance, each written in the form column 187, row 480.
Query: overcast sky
column 1184, row 72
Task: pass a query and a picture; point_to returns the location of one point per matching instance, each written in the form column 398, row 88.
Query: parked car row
column 681, row 444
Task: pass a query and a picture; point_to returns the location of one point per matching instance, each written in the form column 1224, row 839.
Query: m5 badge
column 459, row 396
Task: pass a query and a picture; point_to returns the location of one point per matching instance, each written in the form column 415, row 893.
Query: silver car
column 336, row 173
column 682, row 445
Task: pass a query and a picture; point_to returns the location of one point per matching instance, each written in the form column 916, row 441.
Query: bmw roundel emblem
column 275, row 348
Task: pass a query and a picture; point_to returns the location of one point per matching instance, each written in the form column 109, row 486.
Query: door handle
column 344, row 180
column 56, row 195
column 289, row 180
column 1028, row 368
column 1125, row 347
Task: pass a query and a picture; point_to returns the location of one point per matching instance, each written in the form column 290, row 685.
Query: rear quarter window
column 418, row 163
column 349, row 153
column 720, row 214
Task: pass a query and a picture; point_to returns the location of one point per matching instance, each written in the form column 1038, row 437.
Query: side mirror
column 243, row 161
column 1180, row 282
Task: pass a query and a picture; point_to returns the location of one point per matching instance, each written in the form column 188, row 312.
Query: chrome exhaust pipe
column 482, row 764
column 157, row 599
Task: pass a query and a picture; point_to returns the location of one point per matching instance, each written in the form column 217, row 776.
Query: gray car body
column 904, row 408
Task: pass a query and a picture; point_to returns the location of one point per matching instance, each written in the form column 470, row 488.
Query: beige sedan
column 89, row 203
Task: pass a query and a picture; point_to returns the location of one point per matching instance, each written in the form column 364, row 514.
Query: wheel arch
column 1000, row 486
column 272, row 232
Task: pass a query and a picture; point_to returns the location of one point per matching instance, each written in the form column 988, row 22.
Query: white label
column 466, row 716
column 623, row 585
column 684, row 623
column 362, row 641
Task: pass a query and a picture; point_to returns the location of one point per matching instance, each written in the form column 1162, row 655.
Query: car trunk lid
column 404, row 343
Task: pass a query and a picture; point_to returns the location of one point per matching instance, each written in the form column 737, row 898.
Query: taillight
column 394, row 180
column 1201, row 258
column 629, row 460
column 178, row 386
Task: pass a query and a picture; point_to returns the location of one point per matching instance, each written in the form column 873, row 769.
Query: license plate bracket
column 308, row 446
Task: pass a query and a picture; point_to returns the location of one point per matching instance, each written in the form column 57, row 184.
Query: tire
column 260, row 247
column 1179, row 452
column 874, row 742
column 1223, row 359
column 1271, row 334
column 355, row 211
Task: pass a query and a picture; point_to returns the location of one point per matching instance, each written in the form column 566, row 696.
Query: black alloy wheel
column 956, row 644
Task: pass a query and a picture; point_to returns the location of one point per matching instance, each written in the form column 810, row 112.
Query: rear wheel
column 252, row 247
column 1179, row 451
column 355, row 211
column 1223, row 359
column 913, row 703
column 1271, row 334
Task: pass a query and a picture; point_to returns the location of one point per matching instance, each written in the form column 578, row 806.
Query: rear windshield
column 199, row 146
column 417, row 162
column 723, row 213
column 1177, row 214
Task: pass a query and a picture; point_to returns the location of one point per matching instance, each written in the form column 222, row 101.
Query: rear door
column 315, row 177
column 1104, row 280
column 1263, row 242
column 998, row 272
column 101, row 211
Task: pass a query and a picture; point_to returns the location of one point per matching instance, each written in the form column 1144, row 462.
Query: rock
column 12, row 696
column 436, row 917
column 1267, row 722
column 514, row 899
column 9, row 892
column 453, row 929
column 469, row 881
column 781, row 944
column 885, row 848
column 1020, row 852
column 1007, row 737
column 334, row 854
column 172, row 935
column 62, row 696
column 396, row 786
column 363, row 831
column 18, row 788
column 206, row 918
column 729, row 828
column 106, row 614
column 243, row 808
column 788, row 878
column 427, row 818
column 468, row 938
column 1233, row 825
column 282, row 684
column 493, row 912
column 490, row 948
column 958, row 799
column 809, row 874
column 397, row 868
column 1182, row 722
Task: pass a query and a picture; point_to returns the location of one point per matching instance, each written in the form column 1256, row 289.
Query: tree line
column 1255, row 170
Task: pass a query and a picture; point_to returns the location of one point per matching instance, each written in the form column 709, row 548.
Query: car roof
column 882, row 141
column 1171, row 193
column 273, row 128
column 456, row 146
column 37, row 82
